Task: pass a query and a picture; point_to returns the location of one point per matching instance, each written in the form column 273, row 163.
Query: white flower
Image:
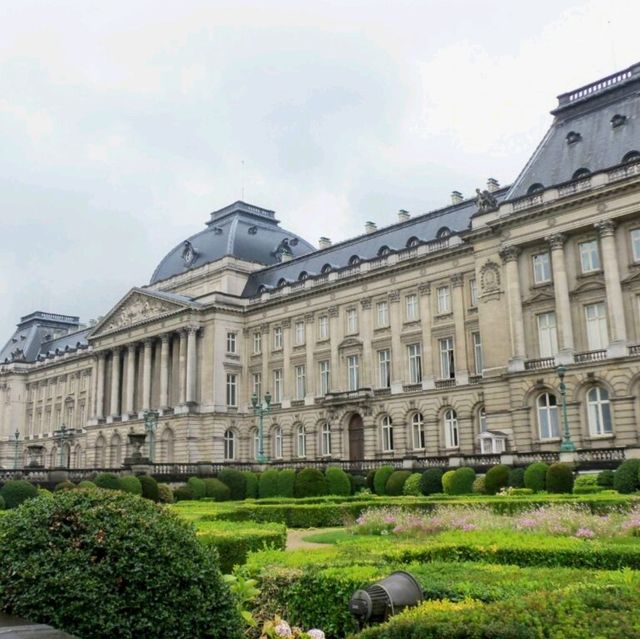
column 283, row 629
column 314, row 633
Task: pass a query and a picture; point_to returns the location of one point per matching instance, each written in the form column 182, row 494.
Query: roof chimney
column 492, row 185
column 403, row 215
column 324, row 243
column 456, row 197
column 370, row 227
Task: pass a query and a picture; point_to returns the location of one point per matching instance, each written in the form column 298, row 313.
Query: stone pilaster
column 165, row 341
column 99, row 397
column 131, row 379
column 192, row 364
column 457, row 294
column 146, row 374
column 115, row 384
column 510, row 257
column 397, row 354
column 566, row 345
column 428, row 378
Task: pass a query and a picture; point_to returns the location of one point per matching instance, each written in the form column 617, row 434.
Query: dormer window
column 413, row 242
column 573, row 137
column 383, row 251
column 303, row 276
column 632, row 156
column 618, row 120
column 443, row 232
column 581, row 173
column 535, row 188
column 282, row 282
column 354, row 260
column 326, row 269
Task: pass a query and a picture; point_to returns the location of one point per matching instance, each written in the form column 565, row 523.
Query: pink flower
column 314, row 633
column 283, row 629
column 585, row 533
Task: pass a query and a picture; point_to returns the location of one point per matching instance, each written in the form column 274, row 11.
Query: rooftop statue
column 485, row 200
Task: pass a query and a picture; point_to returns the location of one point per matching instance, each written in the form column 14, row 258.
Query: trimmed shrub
column 496, row 478
column 535, row 476
column 479, row 486
column 396, row 481
column 64, row 485
column 268, row 485
column 431, row 481
column 605, row 478
column 462, row 481
column 338, row 482
column 585, row 480
column 165, row 494
column 446, row 481
column 516, row 478
column 85, row 483
column 2, row 504
column 215, row 489
column 182, row 493
column 44, row 492
column 586, row 489
column 251, row 484
column 197, row 487
column 130, row 484
column 358, row 483
column 286, row 482
column 412, row 485
column 625, row 477
column 106, row 549
column 310, row 482
column 380, row 479
column 149, row 488
column 560, row 478
column 107, row 480
column 370, row 477
column 236, row 481
column 16, row 491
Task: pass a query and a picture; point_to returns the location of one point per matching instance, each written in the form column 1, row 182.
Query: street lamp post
column 61, row 436
column 260, row 409
column 150, row 426
column 16, row 441
column 567, row 445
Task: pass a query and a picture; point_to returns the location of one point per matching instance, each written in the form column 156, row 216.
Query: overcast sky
column 124, row 124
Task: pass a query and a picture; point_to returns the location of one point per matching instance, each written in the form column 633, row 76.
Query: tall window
column 277, row 442
column 352, row 321
column 473, row 291
column 353, row 373
column 232, row 387
column 301, row 441
column 323, row 327
column 541, row 268
column 256, row 385
column 477, row 352
column 547, row 334
column 301, row 386
column 443, row 301
column 417, row 431
column 589, row 256
column 387, row 434
column 277, row 385
column 231, row 342
column 325, row 377
column 447, row 363
column 229, row 445
column 635, row 244
column 325, row 434
column 384, row 368
column 414, row 352
column 257, row 343
column 482, row 420
column 299, row 333
column 599, row 411
column 548, row 416
column 596, row 317
column 382, row 314
column 411, row 307
column 450, row 418
column 277, row 338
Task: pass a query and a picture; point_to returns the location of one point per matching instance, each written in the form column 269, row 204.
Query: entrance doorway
column 356, row 438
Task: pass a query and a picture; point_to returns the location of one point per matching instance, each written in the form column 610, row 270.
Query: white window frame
column 277, row 443
column 599, row 412
column 473, row 292
column 548, row 416
column 232, row 342
column 257, row 343
column 278, row 387
column 325, row 376
column 229, row 445
column 325, row 439
column 323, row 327
column 300, row 331
column 255, row 438
column 301, row 381
column 417, row 432
column 541, row 268
column 477, row 352
column 483, row 425
column 352, row 321
column 443, row 300
column 446, row 348
column 411, row 307
column 256, row 385
column 596, row 322
column 589, row 256
column 450, row 423
column 232, row 389
column 635, row 244
column 382, row 314
column 384, row 368
column 547, row 334
column 277, row 338
column 353, row 372
column 414, row 354
column 387, row 434
column 301, row 441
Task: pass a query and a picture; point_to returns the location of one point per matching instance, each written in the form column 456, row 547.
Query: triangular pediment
column 136, row 307
column 592, row 284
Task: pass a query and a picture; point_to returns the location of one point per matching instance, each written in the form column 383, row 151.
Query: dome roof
column 240, row 230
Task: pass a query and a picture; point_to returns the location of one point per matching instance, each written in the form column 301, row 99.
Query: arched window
column 443, row 232
column 417, row 431
column 261, row 289
column 412, row 242
column 325, row 435
column 548, row 416
column 100, row 461
column 277, row 442
column 581, row 174
column 599, row 411
column 167, row 446
column 77, row 457
column 535, row 188
column 384, row 250
column 54, row 458
column 301, row 441
column 282, row 282
column 115, row 451
column 229, row 445
column 327, row 268
column 303, row 276
column 450, row 419
column 482, row 420
column 632, row 156
column 354, row 260
column 387, row 434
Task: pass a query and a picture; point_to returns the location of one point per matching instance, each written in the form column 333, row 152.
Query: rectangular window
column 597, row 334
column 277, row 385
column 414, row 352
column 352, row 321
column 541, row 268
column 325, row 378
column 411, row 307
column 547, row 335
column 477, row 352
column 589, row 256
column 256, row 385
column 473, row 292
column 442, row 297
column 277, row 338
column 301, row 385
column 635, row 244
column 382, row 314
column 232, row 387
column 323, row 327
column 257, row 343
column 231, row 342
column 300, row 333
column 447, row 362
column 353, row 373
column 384, row 369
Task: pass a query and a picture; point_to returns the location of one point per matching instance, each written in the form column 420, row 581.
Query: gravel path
column 295, row 539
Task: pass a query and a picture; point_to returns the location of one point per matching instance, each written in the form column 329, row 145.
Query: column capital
column 192, row 328
column 510, row 253
column 457, row 280
column 605, row 228
column 394, row 296
column 148, row 342
column 365, row 303
column 424, row 289
column 309, row 318
column 556, row 241
column 132, row 347
column 165, row 337
column 101, row 355
column 286, row 323
column 333, row 311
column 264, row 327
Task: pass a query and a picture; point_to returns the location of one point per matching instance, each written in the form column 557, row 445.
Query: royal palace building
column 435, row 340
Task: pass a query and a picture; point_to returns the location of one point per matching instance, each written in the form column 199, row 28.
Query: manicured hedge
column 310, row 482
column 535, row 476
column 461, row 482
column 412, row 485
column 165, row 494
column 625, row 477
column 516, row 478
column 85, row 483
column 496, row 478
column 431, row 481
column 605, row 478
column 16, row 491
column 182, row 493
column 236, row 482
column 395, row 483
column 286, row 482
column 215, row 489
column 268, row 484
column 130, row 484
column 251, row 484
column 559, row 478
column 64, row 485
column 338, row 482
column 380, row 479
column 149, row 488
column 108, row 481
column 197, row 487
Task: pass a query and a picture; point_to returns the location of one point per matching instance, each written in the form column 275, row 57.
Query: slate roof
column 586, row 116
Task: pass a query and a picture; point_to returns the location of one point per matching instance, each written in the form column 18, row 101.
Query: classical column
column 115, row 383
column 164, row 371
column 368, row 366
column 146, row 374
column 335, row 380
column 428, row 378
column 182, row 365
column 288, row 382
column 462, row 370
column 309, row 339
column 563, row 305
column 192, row 364
column 131, row 379
column 99, row 411
column 397, row 354
column 510, row 256
column 615, row 305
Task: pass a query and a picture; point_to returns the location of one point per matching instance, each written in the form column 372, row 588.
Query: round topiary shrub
column 182, row 493
column 479, row 486
column 560, row 478
column 381, row 478
column 268, row 484
column 496, row 478
column 165, row 494
column 85, row 483
column 516, row 478
column 369, row 479
column 412, row 485
column 605, row 478
column 625, row 477
column 197, row 487
column 535, row 476
column 338, row 482
column 431, row 481
column 236, row 481
column 462, row 481
column 446, row 481
column 149, row 488
column 2, row 504
column 396, row 481
column 286, row 482
column 130, row 484
column 64, row 485
column 215, row 489
column 310, row 482
column 251, row 480
column 130, row 569
column 107, row 480
column 16, row 491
